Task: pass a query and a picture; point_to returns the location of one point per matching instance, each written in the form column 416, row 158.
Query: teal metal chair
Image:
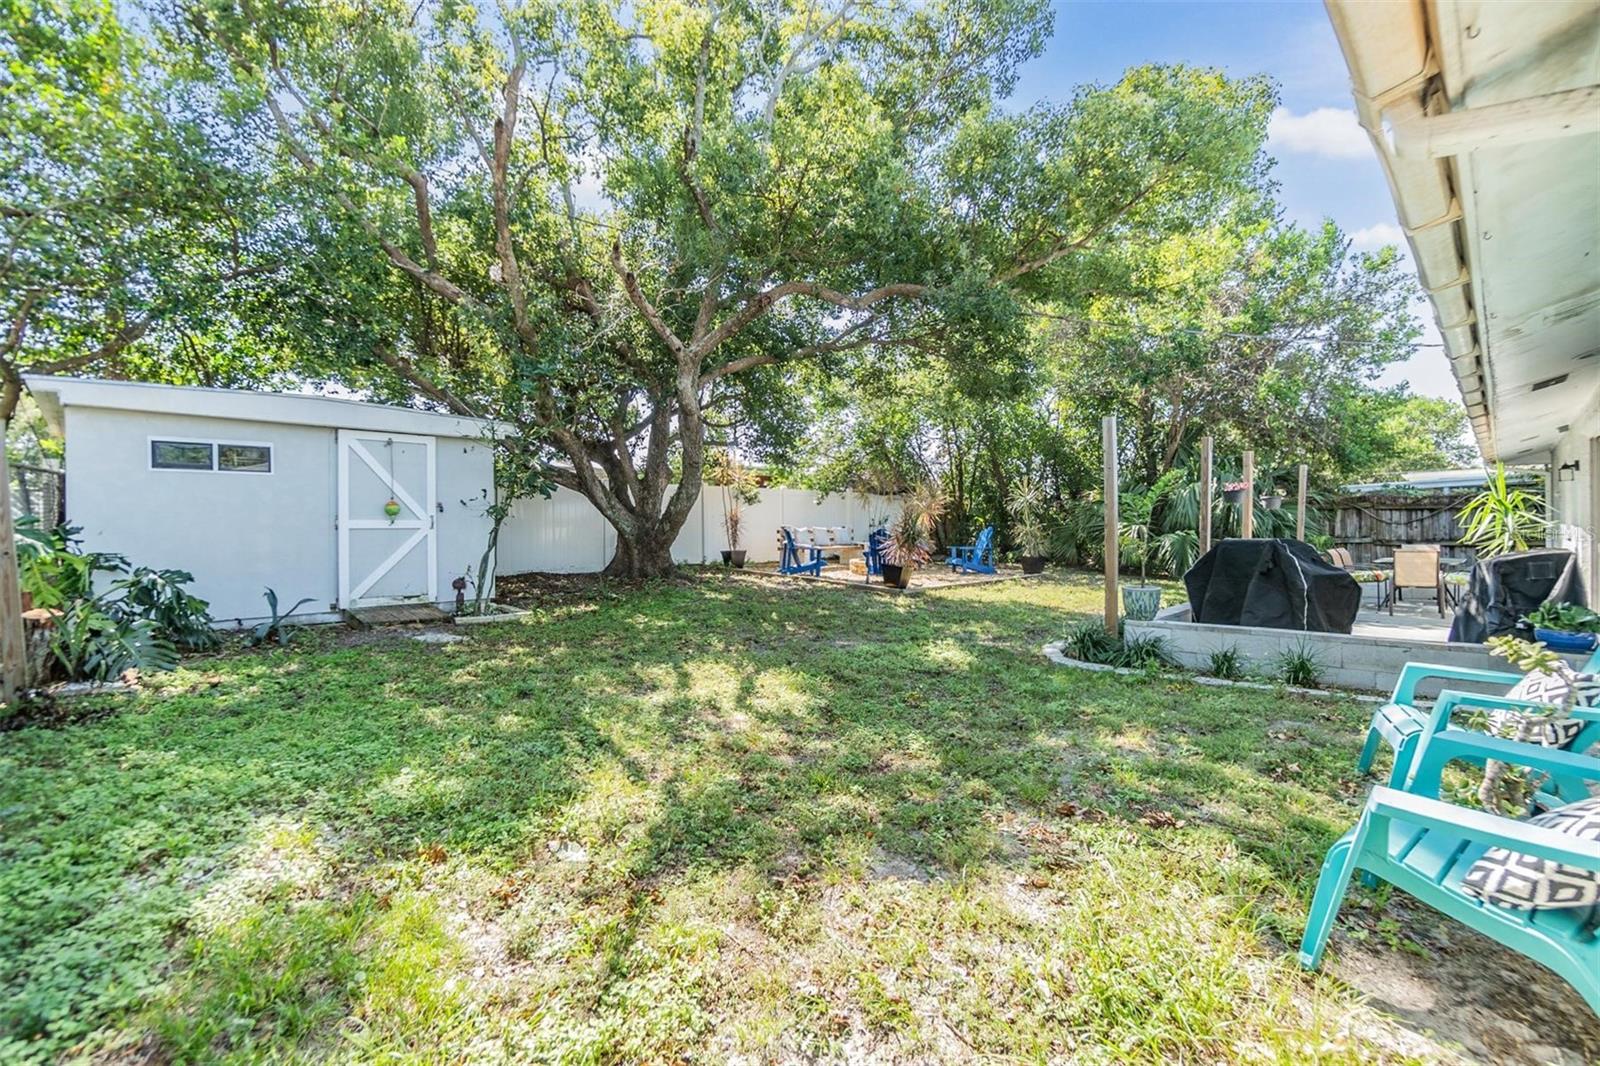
column 1425, row 846
column 1401, row 724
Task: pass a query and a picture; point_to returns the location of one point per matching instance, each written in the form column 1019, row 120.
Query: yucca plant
column 1025, row 503
column 1502, row 519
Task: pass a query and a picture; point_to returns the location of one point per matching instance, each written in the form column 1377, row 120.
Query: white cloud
column 1332, row 132
column 1371, row 238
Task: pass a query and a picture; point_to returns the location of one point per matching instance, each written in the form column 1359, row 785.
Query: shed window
column 228, row 458
column 180, row 455
column 254, row 458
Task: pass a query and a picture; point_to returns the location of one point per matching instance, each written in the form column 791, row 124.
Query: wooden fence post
column 1108, row 443
column 1247, row 515
column 13, row 641
column 1300, row 505
column 1205, row 494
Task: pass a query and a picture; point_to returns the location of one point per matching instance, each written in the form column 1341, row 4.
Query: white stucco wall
column 240, row 533
column 1572, row 503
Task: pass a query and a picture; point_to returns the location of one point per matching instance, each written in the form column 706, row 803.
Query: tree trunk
column 643, row 555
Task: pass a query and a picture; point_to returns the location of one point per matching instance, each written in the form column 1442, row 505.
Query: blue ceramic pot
column 1557, row 640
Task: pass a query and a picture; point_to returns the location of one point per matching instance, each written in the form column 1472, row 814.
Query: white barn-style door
column 385, row 557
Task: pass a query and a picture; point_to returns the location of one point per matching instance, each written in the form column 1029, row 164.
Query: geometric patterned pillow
column 1554, row 689
column 1524, row 882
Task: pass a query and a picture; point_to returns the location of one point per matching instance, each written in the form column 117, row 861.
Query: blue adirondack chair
column 790, row 562
column 977, row 558
column 874, row 553
column 1424, row 846
column 1402, row 724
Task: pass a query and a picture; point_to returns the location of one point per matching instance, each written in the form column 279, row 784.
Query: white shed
column 351, row 504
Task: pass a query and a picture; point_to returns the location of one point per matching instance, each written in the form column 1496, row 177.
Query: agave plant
column 1502, row 519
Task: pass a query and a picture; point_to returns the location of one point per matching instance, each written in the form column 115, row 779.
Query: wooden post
column 1108, row 443
column 1205, row 494
column 1300, row 505
column 1247, row 516
column 13, row 641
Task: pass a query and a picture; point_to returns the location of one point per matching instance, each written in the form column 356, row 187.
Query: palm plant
column 1136, row 510
column 1502, row 519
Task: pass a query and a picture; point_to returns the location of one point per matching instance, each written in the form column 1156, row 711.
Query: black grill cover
column 1281, row 584
column 1505, row 588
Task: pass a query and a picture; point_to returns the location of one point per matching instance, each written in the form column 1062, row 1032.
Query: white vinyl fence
column 566, row 535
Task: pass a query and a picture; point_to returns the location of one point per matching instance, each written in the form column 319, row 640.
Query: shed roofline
column 54, row 394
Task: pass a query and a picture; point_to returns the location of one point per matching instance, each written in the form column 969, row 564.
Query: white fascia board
column 56, row 393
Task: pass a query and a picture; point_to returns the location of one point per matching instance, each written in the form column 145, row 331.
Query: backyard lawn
column 714, row 819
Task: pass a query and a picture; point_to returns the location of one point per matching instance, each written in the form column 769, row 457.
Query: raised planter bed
column 493, row 612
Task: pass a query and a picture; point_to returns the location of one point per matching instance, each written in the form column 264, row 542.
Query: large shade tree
column 122, row 212
column 622, row 226
column 1261, row 333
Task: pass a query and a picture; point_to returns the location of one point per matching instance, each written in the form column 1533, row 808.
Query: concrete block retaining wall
column 1348, row 661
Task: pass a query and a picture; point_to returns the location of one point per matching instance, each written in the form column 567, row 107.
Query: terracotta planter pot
column 1141, row 602
column 1033, row 564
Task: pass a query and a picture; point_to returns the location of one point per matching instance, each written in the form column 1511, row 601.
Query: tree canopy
column 637, row 230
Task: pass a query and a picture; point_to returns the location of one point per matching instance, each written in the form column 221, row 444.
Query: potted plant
column 1273, row 500
column 1565, row 627
column 1233, row 492
column 1025, row 503
column 910, row 541
column 1136, row 508
column 738, row 489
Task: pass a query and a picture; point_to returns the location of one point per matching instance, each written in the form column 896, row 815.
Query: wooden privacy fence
column 1373, row 525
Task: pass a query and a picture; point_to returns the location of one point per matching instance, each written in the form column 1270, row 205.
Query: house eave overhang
column 1486, row 120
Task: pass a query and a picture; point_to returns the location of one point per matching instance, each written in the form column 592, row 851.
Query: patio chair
column 1417, row 567
column 1427, row 848
column 1403, row 725
column 1364, row 575
column 874, row 553
column 790, row 561
column 975, row 558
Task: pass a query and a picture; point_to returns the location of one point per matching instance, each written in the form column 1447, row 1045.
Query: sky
column 1326, row 167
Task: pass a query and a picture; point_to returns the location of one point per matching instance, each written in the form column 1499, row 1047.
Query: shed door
column 386, row 558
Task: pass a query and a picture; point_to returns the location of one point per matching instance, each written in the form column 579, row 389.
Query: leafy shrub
column 137, row 621
column 50, row 570
column 1566, row 617
column 158, row 596
column 1089, row 642
column 92, row 644
column 1144, row 652
column 1226, row 664
column 1300, row 666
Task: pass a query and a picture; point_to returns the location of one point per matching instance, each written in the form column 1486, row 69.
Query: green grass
column 703, row 819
